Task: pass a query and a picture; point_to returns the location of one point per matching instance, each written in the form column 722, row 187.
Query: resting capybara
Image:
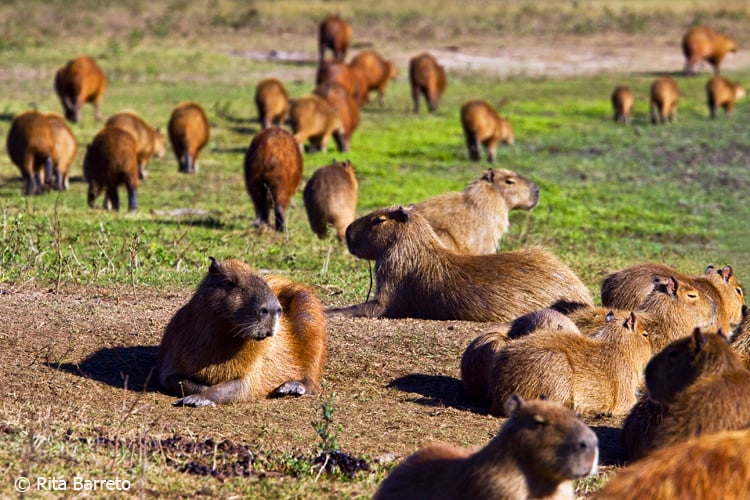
column 664, row 98
column 189, row 132
column 474, row 220
column 65, row 147
column 741, row 337
column 426, row 77
column 112, row 159
column 349, row 77
column 482, row 124
column 417, row 277
column 346, row 108
column 333, row 33
column 641, row 425
column 331, row 198
column 243, row 336
column 377, row 71
column 722, row 92
column 272, row 102
column 701, row 42
column 31, row 147
column 149, row 141
column 622, row 102
column 313, row 119
column 80, row 81
column 542, row 319
column 538, row 453
column 273, row 171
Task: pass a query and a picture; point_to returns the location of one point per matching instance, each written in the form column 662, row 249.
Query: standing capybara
column 331, row 198
column 242, row 337
column 622, row 102
column 65, row 147
column 701, row 42
column 352, row 78
column 722, row 92
column 417, row 277
column 272, row 102
column 313, row 119
column 80, row 81
column 346, row 108
column 377, row 71
column 149, row 141
column 482, row 124
column 427, row 78
column 273, row 171
column 31, row 147
column 333, row 33
column 472, row 221
column 112, row 159
column 664, row 97
column 538, row 453
column 189, row 132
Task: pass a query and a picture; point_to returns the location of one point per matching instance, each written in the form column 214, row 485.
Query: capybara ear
column 630, row 322
column 672, row 286
column 610, row 316
column 489, row 175
column 513, row 404
column 401, row 214
column 699, row 338
column 710, row 268
column 215, row 266
column 726, row 272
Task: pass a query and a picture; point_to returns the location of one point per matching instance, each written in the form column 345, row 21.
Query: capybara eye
column 739, row 291
column 510, row 181
column 379, row 220
column 540, row 421
column 692, row 295
column 264, row 311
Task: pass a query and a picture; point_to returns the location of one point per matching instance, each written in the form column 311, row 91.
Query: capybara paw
column 291, row 388
column 194, row 400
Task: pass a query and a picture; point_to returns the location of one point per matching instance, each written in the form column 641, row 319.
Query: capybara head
column 371, row 235
column 735, row 299
column 517, row 191
column 702, row 308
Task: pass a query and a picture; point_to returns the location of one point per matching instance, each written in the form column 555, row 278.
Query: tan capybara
column 426, row 78
column 272, row 102
column 482, row 124
column 417, row 277
column 542, row 319
column 334, row 33
column 474, row 220
column 65, row 147
column 703, row 43
column 149, row 141
column 537, row 453
column 331, row 198
column 377, row 71
column 111, row 160
column 313, row 119
column 722, row 92
column 31, row 147
column 351, row 78
column 80, row 81
column 741, row 337
column 241, row 337
column 664, row 98
column 273, row 172
column 189, row 132
column 346, row 108
column 622, row 102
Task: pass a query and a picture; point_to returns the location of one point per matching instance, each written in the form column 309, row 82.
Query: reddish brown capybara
column 149, row 141
column 31, row 147
column 334, row 33
column 272, row 102
column 427, row 78
column 273, row 171
column 482, row 124
column 80, row 81
column 377, row 71
column 722, row 92
column 331, row 198
column 702, row 42
column 347, row 110
column 111, row 160
column 313, row 119
column 622, row 102
column 65, row 146
column 351, row 78
column 189, row 132
column 538, row 453
column 664, row 98
column 243, row 336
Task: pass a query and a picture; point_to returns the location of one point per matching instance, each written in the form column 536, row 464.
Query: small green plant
column 326, row 429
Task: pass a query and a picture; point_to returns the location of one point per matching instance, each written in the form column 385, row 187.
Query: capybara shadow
column 611, row 448
column 438, row 390
column 128, row 367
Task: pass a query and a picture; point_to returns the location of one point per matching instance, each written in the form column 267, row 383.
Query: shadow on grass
column 207, row 221
column 438, row 390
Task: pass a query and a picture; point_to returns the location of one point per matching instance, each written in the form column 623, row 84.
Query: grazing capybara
column 482, row 124
column 331, row 198
column 346, row 108
column 149, row 141
column 65, row 147
column 31, row 147
column 622, row 102
column 189, row 132
column 80, row 81
column 241, row 337
column 351, row 78
column 272, row 102
column 377, row 71
column 417, row 277
column 664, row 98
column 427, row 78
column 273, row 171
column 313, row 119
column 334, row 33
column 537, row 453
column 112, row 159
column 702, row 42
column 722, row 92
column 474, row 220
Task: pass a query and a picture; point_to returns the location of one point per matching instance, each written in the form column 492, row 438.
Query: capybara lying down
column 741, row 337
column 31, row 147
column 377, row 71
column 112, row 159
column 427, row 78
column 334, row 33
column 272, row 102
column 702, row 42
column 80, row 81
column 474, row 220
column 189, row 132
column 149, row 141
column 417, row 277
column 313, row 119
column 65, row 147
column 241, row 337
column 664, row 98
column 722, row 92
column 622, row 102
column 331, row 198
column 346, row 108
column 537, row 453
column 482, row 124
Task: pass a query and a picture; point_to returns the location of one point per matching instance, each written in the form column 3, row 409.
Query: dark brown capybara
column 80, row 81
column 352, row 78
column 665, row 94
column 272, row 102
column 66, row 147
column 703, row 43
column 482, row 124
column 377, row 71
column 720, row 92
column 111, row 160
column 331, row 198
column 622, row 102
column 427, row 78
column 31, row 147
column 334, row 33
column 346, row 108
column 149, row 141
column 189, row 132
column 313, row 119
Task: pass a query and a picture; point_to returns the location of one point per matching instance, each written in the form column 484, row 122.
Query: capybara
column 477, row 363
column 427, row 78
column 313, row 119
column 241, row 337
column 741, row 337
column 65, row 147
column 622, row 102
column 377, row 71
column 702, row 42
column 112, row 159
column 482, row 124
column 722, row 92
column 537, row 453
column 189, row 132
column 149, row 141
column 474, row 220
column 664, row 98
column 31, row 147
column 272, row 102
column 641, row 425
column 417, row 277
column 351, row 78
column 331, row 198
column 541, row 319
column 273, row 172
column 346, row 108
column 333, row 33
column 80, row 81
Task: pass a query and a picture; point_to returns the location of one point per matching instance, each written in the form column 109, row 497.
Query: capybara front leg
column 224, row 392
column 291, row 388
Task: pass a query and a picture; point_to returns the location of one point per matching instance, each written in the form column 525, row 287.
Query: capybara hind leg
column 472, row 144
column 112, row 199
column 224, row 392
column 261, row 215
column 278, row 216
column 291, row 388
column 415, row 98
column 132, row 199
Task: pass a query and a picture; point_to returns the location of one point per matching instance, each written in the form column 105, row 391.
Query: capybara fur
column 703, row 43
column 65, row 147
column 331, row 198
column 474, row 220
column 722, row 92
column 477, row 363
column 313, row 119
column 427, row 78
column 622, row 103
column 351, row 78
column 189, row 132
column 377, row 71
column 111, row 160
column 149, row 141
column 741, row 337
column 640, row 426
column 541, row 319
column 80, row 81
column 273, row 172
column 537, row 453
column 347, row 110
column 241, row 337
column 417, row 277
column 664, row 98
column 31, row 147
column 272, row 102
column 481, row 124
column 334, row 33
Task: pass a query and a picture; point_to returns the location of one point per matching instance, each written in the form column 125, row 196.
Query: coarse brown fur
column 31, row 147
column 377, row 71
column 640, row 426
column 334, row 33
column 702, row 42
column 347, row 110
column 352, row 78
column 722, row 92
column 189, row 132
column 664, row 98
column 241, row 337
column 149, row 141
column 482, row 124
column 331, row 198
column 272, row 102
column 313, row 119
column 112, row 159
column 741, row 337
column 474, row 220
column 426, row 77
column 80, row 81
column 477, row 363
column 537, row 454
column 622, row 102
column 542, row 319
column 65, row 147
